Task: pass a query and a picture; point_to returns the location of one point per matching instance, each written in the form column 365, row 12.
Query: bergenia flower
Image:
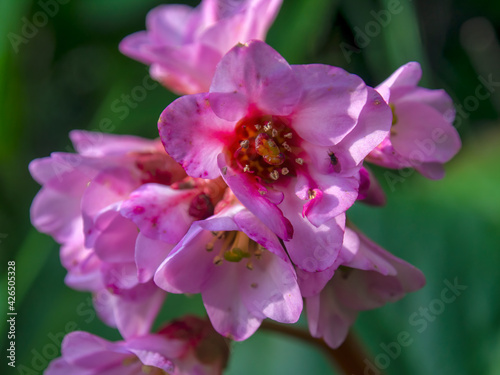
column 288, row 140
column 84, row 204
column 184, row 45
column 239, row 267
column 188, row 346
column 367, row 278
column 422, row 135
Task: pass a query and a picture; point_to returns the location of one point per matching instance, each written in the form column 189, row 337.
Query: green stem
column 348, row 357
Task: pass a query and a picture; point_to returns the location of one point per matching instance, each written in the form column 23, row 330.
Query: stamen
column 274, row 175
column 217, row 236
column 218, row 260
column 247, row 168
column 274, row 132
column 267, row 127
column 258, row 252
column 299, row 161
column 245, row 143
column 286, row 147
column 311, row 194
column 250, row 265
column 240, row 249
column 257, row 126
column 285, row 171
column 288, row 135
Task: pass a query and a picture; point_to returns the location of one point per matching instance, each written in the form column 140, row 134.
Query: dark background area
column 68, row 73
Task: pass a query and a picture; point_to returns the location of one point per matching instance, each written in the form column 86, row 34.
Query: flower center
column 234, row 246
column 265, row 147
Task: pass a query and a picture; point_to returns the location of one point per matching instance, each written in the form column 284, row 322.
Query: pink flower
column 188, row 346
column 183, row 45
column 368, row 277
column 239, row 267
column 422, row 135
column 90, row 203
column 288, row 140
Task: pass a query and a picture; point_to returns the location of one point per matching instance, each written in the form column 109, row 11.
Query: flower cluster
column 242, row 199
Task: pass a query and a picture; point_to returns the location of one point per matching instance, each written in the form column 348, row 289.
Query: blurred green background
column 67, row 74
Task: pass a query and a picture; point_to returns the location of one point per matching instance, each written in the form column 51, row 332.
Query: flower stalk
column 349, row 358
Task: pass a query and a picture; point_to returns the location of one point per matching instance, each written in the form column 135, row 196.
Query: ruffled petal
column 423, row 134
column 149, row 254
column 312, row 248
column 332, row 196
column 193, row 135
column 247, row 193
column 331, row 103
column 95, row 144
column 257, row 72
column 259, row 232
column 159, row 211
column 89, row 351
column 132, row 311
column 372, row 128
column 189, row 254
column 329, row 319
column 406, row 75
column 225, row 307
column 271, row 289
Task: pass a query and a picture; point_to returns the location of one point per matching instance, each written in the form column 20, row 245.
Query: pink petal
column 328, row 319
column 56, row 214
column 132, row 311
column 97, row 144
column 437, row 99
column 246, row 192
column 88, row 351
column 189, row 254
column 116, row 241
column 159, row 211
column 333, row 196
column 59, row 366
column 271, row 289
column 312, row 248
column 155, row 350
column 257, row 72
column 330, row 105
column 416, row 131
column 259, row 232
column 108, row 188
column 225, row 307
column 406, row 75
column 434, row 171
column 167, row 24
column 312, row 283
column 193, row 135
column 372, row 128
column 185, row 70
column 149, row 254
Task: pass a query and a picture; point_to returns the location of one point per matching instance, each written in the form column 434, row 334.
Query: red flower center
column 266, row 147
